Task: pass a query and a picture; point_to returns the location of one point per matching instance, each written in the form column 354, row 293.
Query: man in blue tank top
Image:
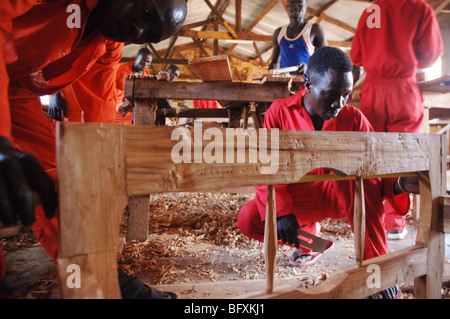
column 294, row 43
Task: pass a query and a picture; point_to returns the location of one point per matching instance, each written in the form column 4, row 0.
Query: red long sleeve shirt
column 408, row 38
column 290, row 114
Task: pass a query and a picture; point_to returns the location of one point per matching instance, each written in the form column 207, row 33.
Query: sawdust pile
column 194, row 238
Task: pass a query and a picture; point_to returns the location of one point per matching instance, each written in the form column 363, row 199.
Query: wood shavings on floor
column 194, row 238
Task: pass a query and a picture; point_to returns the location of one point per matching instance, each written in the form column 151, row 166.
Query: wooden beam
column 430, row 230
column 88, row 239
column 359, row 218
column 270, row 238
column 222, row 35
column 445, row 212
column 238, row 16
column 395, row 153
column 226, row 91
column 355, row 282
column 221, row 19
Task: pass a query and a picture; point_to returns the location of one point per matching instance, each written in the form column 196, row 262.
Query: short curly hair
column 326, row 58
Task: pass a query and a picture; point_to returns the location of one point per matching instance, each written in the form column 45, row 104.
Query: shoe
column 390, row 293
column 300, row 258
column 396, row 234
column 134, row 288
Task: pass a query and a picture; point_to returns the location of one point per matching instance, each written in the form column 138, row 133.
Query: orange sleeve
column 96, row 90
column 8, row 10
column 5, row 115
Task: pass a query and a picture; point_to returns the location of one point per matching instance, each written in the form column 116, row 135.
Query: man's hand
column 20, row 175
column 407, row 184
column 287, row 226
column 57, row 106
column 125, row 107
column 302, row 67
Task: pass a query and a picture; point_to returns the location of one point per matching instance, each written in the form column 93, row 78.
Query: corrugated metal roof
column 338, row 18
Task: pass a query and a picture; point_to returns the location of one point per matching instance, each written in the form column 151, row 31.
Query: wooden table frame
column 100, row 165
column 243, row 100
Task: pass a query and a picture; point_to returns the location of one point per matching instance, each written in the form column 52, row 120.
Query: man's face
column 327, row 95
column 173, row 75
column 296, row 8
column 143, row 62
column 141, row 21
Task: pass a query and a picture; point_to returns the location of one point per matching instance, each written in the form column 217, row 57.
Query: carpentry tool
column 285, row 70
column 289, row 69
column 318, row 244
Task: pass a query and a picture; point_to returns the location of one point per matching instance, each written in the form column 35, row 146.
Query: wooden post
column 359, row 219
column 270, row 238
column 91, row 181
column 144, row 113
column 430, row 230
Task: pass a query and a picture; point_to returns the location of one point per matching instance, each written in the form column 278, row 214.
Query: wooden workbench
column 236, row 96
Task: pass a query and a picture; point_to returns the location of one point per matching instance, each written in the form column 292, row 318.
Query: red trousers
column 33, row 133
column 330, row 199
column 392, row 105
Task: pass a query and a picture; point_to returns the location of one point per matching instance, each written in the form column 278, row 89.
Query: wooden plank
column 270, row 238
column 138, row 218
column 144, row 111
column 430, row 229
column 359, row 220
column 356, row 281
column 210, row 113
column 444, row 204
column 91, row 175
column 227, row 91
column 212, row 68
column 151, row 168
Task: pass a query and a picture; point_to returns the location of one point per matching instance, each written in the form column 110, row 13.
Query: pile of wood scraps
column 194, row 238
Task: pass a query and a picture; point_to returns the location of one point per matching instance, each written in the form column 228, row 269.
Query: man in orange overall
column 138, row 67
column 322, row 107
column 392, row 40
column 85, row 57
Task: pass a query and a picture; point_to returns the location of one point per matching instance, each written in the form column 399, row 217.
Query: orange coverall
column 123, row 70
column 408, row 37
column 60, row 56
column 8, row 11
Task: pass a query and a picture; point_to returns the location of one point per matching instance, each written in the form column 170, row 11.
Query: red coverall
column 123, row 70
column 408, row 38
column 59, row 57
column 313, row 202
column 205, row 104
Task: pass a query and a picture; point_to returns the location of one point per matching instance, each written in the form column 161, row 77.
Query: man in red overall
column 321, row 107
column 85, row 57
column 392, row 40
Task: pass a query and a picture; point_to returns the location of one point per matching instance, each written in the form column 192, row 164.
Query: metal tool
column 285, row 70
column 318, row 244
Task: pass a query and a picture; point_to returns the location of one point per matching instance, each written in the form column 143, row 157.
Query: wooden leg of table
column 245, row 117
column 144, row 113
column 234, row 117
column 91, row 181
column 430, row 229
column 270, row 238
column 138, row 218
column 359, row 220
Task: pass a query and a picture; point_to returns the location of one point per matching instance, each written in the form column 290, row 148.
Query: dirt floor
column 195, row 249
